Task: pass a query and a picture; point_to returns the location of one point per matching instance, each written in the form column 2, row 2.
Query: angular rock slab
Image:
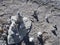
column 27, row 24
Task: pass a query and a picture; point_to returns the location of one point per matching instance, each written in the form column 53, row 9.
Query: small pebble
column 31, row 39
column 39, row 33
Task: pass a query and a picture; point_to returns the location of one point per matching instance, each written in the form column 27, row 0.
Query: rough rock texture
column 47, row 20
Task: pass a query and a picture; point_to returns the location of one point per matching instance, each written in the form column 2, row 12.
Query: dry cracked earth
column 47, row 20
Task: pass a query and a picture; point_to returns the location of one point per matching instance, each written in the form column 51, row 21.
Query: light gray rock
column 13, row 31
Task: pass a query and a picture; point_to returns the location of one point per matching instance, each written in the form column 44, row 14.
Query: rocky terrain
column 47, row 18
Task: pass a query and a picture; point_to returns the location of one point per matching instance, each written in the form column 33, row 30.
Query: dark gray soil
column 44, row 14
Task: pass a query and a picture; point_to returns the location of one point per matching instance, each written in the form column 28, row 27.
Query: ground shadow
column 40, row 40
column 26, row 40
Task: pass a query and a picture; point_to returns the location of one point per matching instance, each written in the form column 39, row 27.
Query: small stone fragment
column 31, row 39
column 39, row 33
